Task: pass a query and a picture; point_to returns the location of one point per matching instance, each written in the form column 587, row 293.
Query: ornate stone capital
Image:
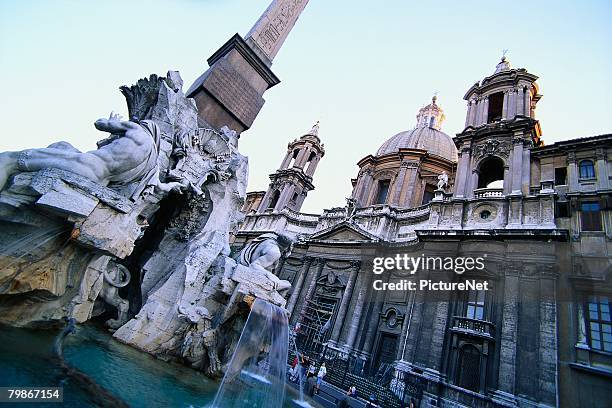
column 355, row 265
column 571, row 157
column 492, row 147
column 517, row 140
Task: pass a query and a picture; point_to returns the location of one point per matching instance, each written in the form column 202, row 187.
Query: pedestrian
column 320, row 375
column 352, row 391
column 312, row 369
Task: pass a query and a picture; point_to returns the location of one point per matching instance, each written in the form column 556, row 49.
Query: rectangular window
column 600, row 324
column 496, row 106
column 561, row 176
column 475, row 304
column 590, row 216
column 562, row 209
column 383, row 191
column 586, row 169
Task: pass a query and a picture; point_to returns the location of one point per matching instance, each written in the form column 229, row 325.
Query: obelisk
column 231, row 91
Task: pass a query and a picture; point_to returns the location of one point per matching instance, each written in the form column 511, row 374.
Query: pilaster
column 508, row 338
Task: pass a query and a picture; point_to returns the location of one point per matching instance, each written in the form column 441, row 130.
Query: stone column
column 505, row 108
column 286, row 160
column 528, row 104
column 517, row 164
column 284, row 197
column 473, row 184
column 378, row 297
column 462, row 171
column 320, row 263
column 412, row 330
column 508, row 338
column 302, row 156
column 485, row 111
column 511, row 103
column 313, row 165
column 478, row 115
column 507, row 180
column 359, row 305
column 468, row 115
column 526, row 171
column 472, row 117
column 265, row 201
column 520, row 103
column 572, row 172
column 346, row 300
column 603, row 182
column 297, row 286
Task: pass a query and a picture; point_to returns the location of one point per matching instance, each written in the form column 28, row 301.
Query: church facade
column 540, row 335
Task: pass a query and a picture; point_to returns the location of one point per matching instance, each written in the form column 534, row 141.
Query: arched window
column 490, row 171
column 587, row 169
column 468, row 370
column 274, row 200
column 383, row 191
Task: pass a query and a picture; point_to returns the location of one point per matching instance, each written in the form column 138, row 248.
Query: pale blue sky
column 363, row 68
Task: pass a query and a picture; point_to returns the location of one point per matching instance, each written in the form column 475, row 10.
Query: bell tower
column 293, row 180
column 500, row 129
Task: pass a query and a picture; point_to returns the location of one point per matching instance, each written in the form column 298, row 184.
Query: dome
column 426, row 135
column 425, row 138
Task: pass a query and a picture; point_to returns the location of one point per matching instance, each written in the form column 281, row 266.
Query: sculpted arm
column 114, row 124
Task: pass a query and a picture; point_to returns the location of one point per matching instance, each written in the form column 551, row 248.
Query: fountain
column 255, row 376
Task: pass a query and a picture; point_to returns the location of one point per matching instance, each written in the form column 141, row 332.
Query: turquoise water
column 130, row 375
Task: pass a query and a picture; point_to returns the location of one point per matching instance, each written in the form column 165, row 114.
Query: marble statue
column 185, row 300
column 128, row 155
column 115, row 276
column 351, row 207
column 442, row 181
column 264, row 252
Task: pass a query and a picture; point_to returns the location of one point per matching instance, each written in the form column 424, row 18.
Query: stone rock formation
column 139, row 227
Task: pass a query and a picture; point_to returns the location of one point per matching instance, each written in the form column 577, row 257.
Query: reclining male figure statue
column 128, row 155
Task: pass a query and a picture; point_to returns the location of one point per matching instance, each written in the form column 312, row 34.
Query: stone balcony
column 489, row 193
column 473, row 327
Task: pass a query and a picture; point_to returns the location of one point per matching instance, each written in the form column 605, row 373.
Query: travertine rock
column 195, row 297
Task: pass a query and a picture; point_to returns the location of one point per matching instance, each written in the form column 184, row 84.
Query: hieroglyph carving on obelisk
column 273, row 27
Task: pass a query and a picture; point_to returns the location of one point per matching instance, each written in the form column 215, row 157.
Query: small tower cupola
column 431, row 115
column 508, row 94
column 293, row 180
